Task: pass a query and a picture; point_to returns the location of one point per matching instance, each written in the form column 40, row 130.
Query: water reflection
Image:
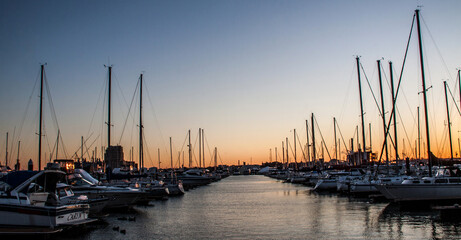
column 257, row 207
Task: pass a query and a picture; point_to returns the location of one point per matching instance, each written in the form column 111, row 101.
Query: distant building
column 114, row 158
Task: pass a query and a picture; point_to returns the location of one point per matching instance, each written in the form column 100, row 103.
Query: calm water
column 258, row 207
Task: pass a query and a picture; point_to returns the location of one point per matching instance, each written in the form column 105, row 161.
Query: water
column 258, row 207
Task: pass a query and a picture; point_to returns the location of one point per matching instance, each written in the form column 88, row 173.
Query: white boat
column 367, row 185
column 83, row 184
column 344, row 182
column 330, row 181
column 445, row 185
column 67, row 196
column 28, row 200
column 326, row 184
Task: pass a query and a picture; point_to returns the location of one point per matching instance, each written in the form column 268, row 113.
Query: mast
column 141, row 150
column 339, row 149
column 200, row 147
column 171, row 154
column 313, row 139
column 449, row 123
column 419, row 138
column 287, row 152
column 158, row 152
column 426, row 117
column 108, row 106
column 17, row 159
column 57, row 144
column 394, row 96
column 283, row 153
column 6, row 152
column 215, row 158
column 369, row 130
column 203, row 146
column 383, row 113
column 361, row 106
column 336, row 146
column 270, row 154
column 81, row 150
column 276, row 155
column 459, row 82
column 42, row 70
column 294, row 143
column 190, row 151
column 308, row 146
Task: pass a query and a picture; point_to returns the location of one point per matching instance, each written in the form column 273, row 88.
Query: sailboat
column 29, row 203
column 445, row 185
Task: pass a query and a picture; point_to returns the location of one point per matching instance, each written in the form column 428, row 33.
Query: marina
column 258, row 207
column 127, row 162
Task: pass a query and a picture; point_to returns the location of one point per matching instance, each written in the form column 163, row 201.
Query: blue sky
column 247, row 72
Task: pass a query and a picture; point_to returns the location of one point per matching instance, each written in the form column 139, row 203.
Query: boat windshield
column 77, row 180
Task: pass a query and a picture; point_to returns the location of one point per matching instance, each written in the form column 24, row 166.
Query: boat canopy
column 14, row 179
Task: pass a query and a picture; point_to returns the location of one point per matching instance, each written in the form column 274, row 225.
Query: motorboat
column 29, row 204
column 83, row 183
column 67, row 196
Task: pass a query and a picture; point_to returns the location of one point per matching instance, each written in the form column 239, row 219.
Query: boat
column 445, row 185
column 367, row 185
column 29, row 204
column 67, row 196
column 330, row 181
column 83, row 183
column 191, row 178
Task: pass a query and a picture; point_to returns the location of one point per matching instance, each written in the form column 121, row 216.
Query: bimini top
column 22, row 180
column 14, row 179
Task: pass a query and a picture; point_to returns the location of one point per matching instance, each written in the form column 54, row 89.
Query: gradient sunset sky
column 248, row 72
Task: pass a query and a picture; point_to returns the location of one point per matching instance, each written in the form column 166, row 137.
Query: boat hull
column 421, row 192
column 38, row 216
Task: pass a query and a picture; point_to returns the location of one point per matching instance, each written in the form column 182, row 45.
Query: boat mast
column 394, row 95
column 429, row 157
column 449, row 123
column 190, row 151
column 313, row 139
column 200, row 147
column 369, row 131
column 81, row 150
column 308, row 148
column 17, row 159
column 141, row 153
column 361, row 108
column 158, row 152
column 383, row 113
column 419, row 137
column 6, row 152
column 294, row 143
column 336, row 146
column 203, row 147
column 171, row 155
column 459, row 82
column 215, row 158
column 286, row 140
column 42, row 70
column 57, row 144
column 283, row 153
column 108, row 106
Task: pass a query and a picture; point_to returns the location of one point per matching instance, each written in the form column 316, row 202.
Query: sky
column 247, row 72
